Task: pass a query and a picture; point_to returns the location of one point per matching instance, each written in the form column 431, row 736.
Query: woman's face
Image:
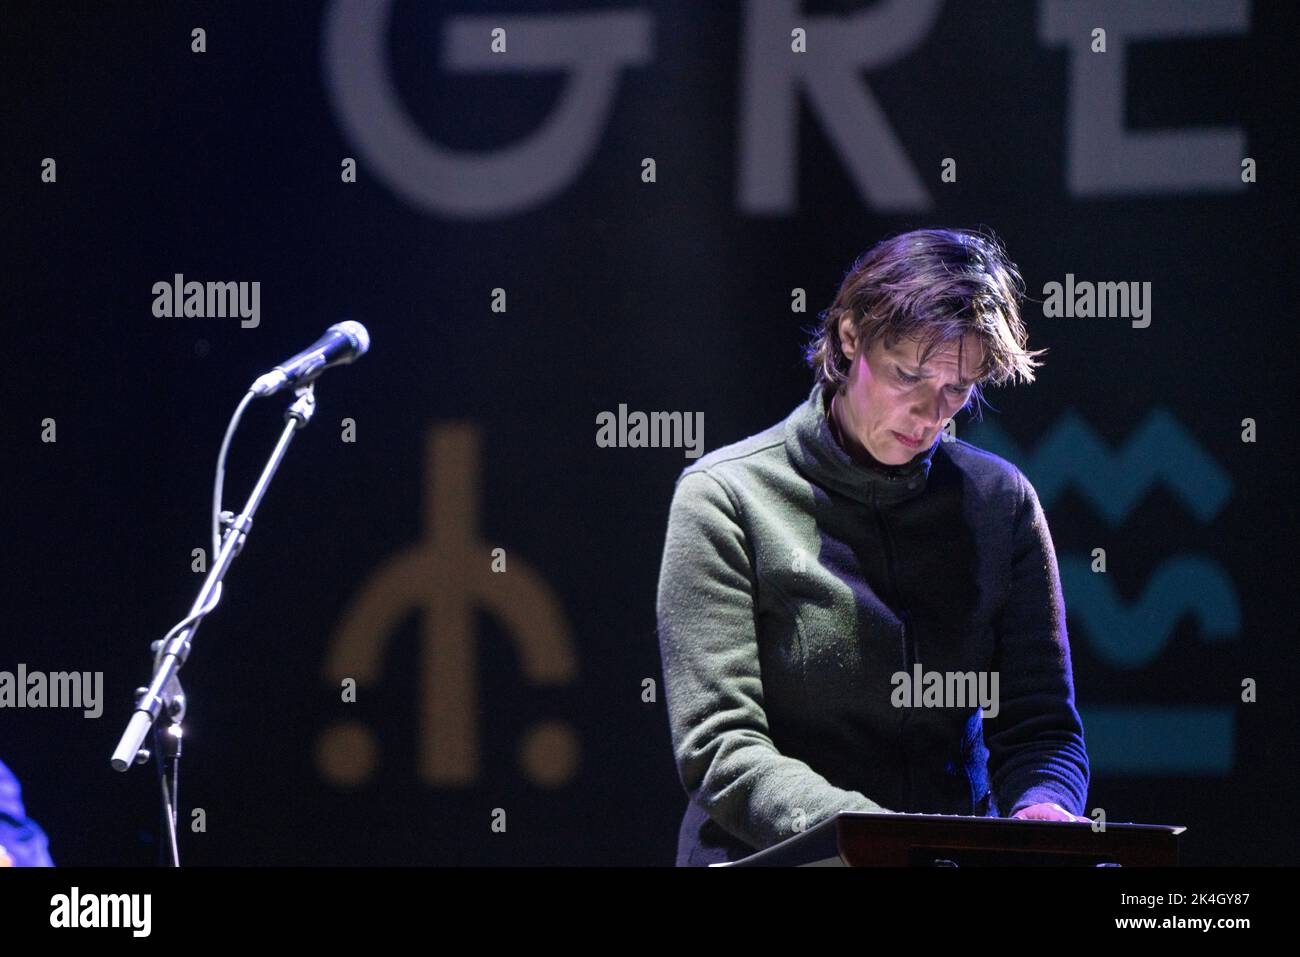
column 891, row 397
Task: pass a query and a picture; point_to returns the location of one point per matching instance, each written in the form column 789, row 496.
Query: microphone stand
column 161, row 706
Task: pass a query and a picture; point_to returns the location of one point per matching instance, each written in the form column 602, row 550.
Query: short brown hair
column 936, row 286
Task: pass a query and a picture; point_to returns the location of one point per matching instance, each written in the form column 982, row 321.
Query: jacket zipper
column 909, row 656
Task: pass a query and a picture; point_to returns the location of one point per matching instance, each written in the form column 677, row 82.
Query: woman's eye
column 913, row 379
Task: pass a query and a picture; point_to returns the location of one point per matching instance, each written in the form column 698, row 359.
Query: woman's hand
column 1048, row 812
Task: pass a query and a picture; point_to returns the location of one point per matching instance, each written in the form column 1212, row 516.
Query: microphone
column 342, row 343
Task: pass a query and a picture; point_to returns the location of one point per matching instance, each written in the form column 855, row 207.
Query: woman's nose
column 931, row 412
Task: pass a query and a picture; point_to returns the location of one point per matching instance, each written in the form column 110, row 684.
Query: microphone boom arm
column 162, row 697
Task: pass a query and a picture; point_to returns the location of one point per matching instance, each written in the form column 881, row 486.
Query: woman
column 811, row 570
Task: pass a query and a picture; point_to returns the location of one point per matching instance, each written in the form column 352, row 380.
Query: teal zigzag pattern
column 1159, row 451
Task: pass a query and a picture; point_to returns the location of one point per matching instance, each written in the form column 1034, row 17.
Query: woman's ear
column 848, row 335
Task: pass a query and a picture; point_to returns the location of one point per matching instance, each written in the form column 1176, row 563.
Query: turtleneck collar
column 816, row 453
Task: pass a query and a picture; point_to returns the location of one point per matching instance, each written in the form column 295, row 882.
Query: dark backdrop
column 773, row 171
